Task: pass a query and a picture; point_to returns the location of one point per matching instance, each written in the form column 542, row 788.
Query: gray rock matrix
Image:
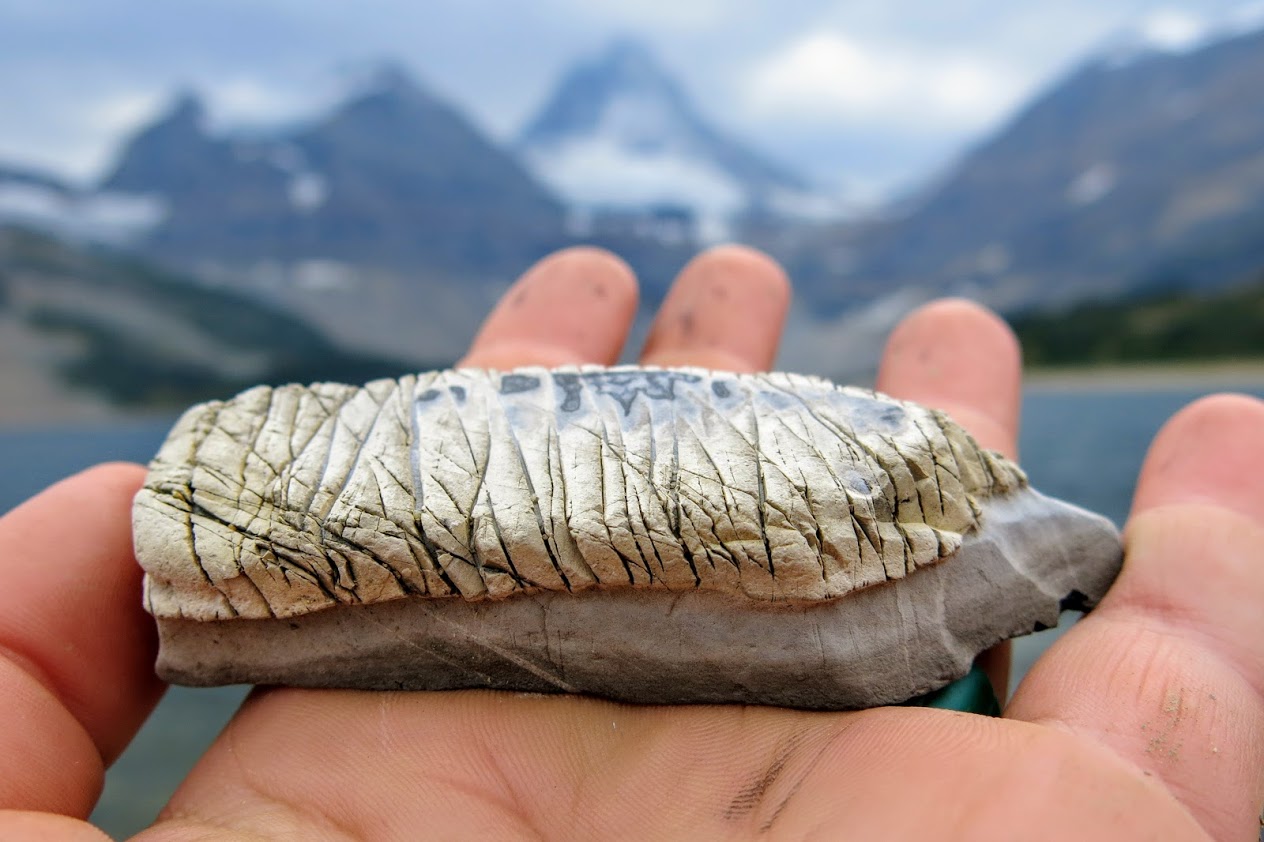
column 649, row 535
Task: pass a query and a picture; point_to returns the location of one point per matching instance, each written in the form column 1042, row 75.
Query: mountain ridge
column 1116, row 178
column 620, row 112
column 136, row 334
column 1093, row 185
column 347, row 185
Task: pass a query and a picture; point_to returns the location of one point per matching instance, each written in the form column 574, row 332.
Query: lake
column 1083, row 445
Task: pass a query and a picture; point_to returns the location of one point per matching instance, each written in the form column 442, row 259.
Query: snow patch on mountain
column 1092, row 185
column 108, row 217
column 307, row 190
column 601, row 174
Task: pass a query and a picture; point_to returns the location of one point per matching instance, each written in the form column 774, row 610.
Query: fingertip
column 573, row 307
column 1173, row 656
column 607, row 275
column 1192, row 541
column 72, row 607
column 960, row 357
column 725, row 311
column 739, row 263
column 114, row 474
column 959, row 317
column 1212, row 451
column 24, row 825
column 117, row 480
column 109, row 481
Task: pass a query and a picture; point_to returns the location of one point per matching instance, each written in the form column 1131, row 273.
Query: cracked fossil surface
column 649, row 535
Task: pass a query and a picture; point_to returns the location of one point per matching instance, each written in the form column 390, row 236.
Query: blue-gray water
column 1083, row 446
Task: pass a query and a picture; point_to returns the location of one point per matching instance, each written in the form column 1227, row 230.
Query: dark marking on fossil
column 857, row 483
column 624, row 385
column 512, row 384
column 876, row 414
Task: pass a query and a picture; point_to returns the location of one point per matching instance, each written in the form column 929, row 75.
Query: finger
column 572, row 307
column 1169, row 670
column 76, row 649
column 724, row 312
column 961, row 358
column 19, row 825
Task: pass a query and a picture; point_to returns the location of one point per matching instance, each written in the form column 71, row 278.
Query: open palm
column 1145, row 721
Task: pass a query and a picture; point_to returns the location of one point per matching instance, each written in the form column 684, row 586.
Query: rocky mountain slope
column 121, row 329
column 1168, row 326
column 1123, row 174
column 391, row 222
column 392, row 177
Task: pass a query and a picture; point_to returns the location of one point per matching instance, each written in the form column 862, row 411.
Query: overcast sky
column 872, row 94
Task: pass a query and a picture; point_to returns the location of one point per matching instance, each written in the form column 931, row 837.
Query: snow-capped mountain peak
column 386, row 79
column 631, row 64
column 620, row 133
column 610, row 95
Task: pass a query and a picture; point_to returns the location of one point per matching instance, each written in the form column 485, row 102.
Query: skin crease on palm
column 1146, row 721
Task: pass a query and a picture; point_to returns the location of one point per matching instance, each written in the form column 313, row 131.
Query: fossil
column 649, row 535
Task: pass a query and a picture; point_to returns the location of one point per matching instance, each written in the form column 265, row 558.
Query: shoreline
column 1210, row 376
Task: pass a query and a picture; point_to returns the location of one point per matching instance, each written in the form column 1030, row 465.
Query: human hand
column 1144, row 721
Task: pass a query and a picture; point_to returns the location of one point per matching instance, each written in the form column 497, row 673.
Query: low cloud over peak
column 826, row 77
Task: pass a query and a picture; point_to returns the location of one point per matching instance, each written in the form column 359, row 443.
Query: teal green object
column 972, row 694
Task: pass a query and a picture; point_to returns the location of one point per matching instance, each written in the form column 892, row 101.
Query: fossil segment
column 485, row 485
column 701, row 536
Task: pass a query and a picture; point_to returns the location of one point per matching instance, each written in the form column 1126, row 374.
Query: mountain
column 392, row 177
column 13, row 175
column 1168, row 326
column 620, row 132
column 390, row 222
column 35, row 198
column 129, row 332
column 1124, row 174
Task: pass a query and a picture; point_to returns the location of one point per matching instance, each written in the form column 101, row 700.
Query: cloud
column 1246, row 17
column 1172, row 29
column 71, row 129
column 248, row 99
column 884, row 89
column 254, row 102
column 656, row 14
column 121, row 111
column 828, row 78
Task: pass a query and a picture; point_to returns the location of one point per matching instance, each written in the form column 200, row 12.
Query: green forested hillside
column 1164, row 327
